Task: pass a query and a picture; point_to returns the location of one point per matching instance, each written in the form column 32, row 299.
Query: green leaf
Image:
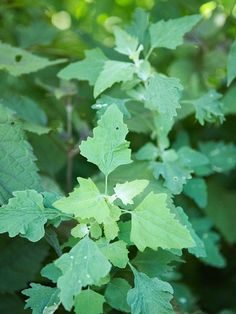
column 192, row 158
column 42, row 299
column 222, row 210
column 163, row 94
column 231, row 64
column 17, row 168
column 51, row 272
column 125, row 43
column 116, row 294
column 153, row 225
column 17, row 61
column 113, row 72
column 89, row 302
column 26, row 215
column 20, row 262
column 116, row 252
column 170, row 34
column 108, row 148
column 222, row 156
column 150, row 296
column 209, row 108
column 85, row 202
column 128, row 190
column 156, row 263
column 148, row 152
column 196, row 189
column 87, row 69
column 83, row 265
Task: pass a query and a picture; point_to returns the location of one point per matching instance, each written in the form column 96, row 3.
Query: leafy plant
column 121, row 236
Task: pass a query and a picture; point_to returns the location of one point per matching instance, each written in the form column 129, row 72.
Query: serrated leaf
column 163, row 94
column 17, row 61
column 209, row 108
column 116, row 294
column 20, row 262
column 89, row 302
column 116, row 252
column 85, row 202
column 127, row 191
column 222, row 156
column 155, row 263
column 125, row 43
column 42, row 299
column 170, row 34
column 231, row 64
column 26, row 215
column 83, row 265
column 110, row 136
column 153, row 226
column 196, row 189
column 87, row 69
column 150, row 295
column 113, row 72
column 17, row 168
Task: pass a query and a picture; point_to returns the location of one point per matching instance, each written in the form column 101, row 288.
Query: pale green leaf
column 26, row 215
column 51, row 272
column 85, row 202
column 148, row 152
column 89, row 302
column 17, row 61
column 84, row 265
column 108, row 148
column 162, row 127
column 113, row 72
column 192, row 158
column 150, row 295
column 87, row 69
column 153, row 226
column 163, row 94
column 170, row 34
column 17, row 168
column 116, row 294
column 209, row 108
column 42, row 299
column 196, row 189
column 125, row 43
column 231, row 64
column 128, row 190
column 116, row 252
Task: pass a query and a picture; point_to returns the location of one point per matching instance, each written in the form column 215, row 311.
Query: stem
column 106, row 181
column 149, row 53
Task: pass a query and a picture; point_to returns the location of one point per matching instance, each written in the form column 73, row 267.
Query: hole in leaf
column 117, row 128
column 18, row 58
column 12, row 123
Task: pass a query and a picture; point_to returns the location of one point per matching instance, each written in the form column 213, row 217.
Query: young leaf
column 16, row 173
column 169, row 34
column 26, row 215
column 128, row 190
column 89, row 302
column 116, row 252
column 231, row 64
column 18, row 61
column 150, row 295
column 116, row 294
column 85, row 202
column 196, row 189
column 108, row 148
column 209, row 108
column 83, row 265
column 113, row 72
column 125, row 43
column 153, row 225
column 163, row 94
column 42, row 299
column 148, row 152
column 87, row 69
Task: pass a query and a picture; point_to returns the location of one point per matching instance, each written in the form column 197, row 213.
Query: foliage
column 136, row 110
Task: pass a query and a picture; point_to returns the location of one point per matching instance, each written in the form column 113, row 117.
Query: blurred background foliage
column 66, row 28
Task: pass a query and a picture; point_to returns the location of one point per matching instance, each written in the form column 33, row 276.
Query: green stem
column 106, row 180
